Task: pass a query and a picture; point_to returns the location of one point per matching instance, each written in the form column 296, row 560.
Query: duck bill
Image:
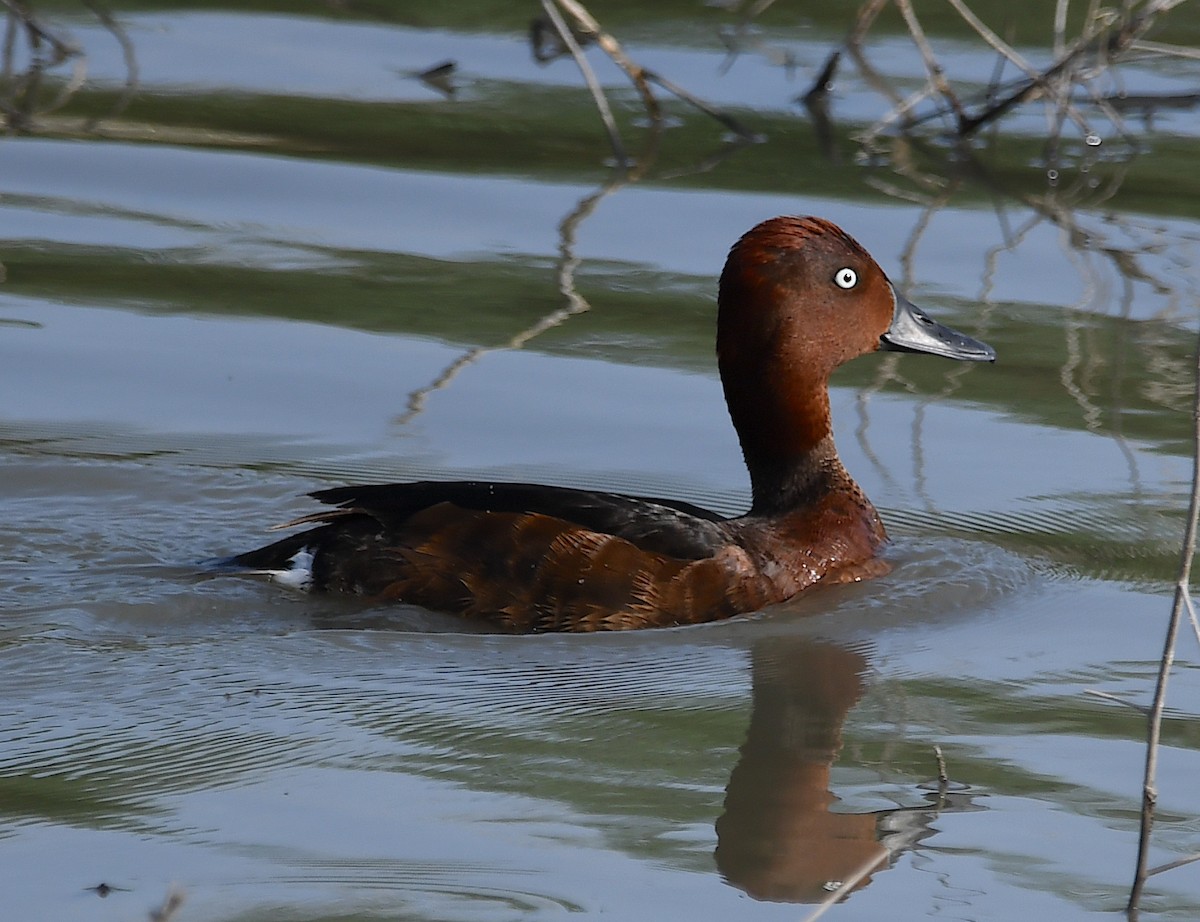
column 912, row 330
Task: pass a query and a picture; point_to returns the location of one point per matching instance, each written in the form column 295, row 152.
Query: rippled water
column 301, row 290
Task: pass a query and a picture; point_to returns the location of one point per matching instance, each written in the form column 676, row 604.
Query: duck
column 798, row 297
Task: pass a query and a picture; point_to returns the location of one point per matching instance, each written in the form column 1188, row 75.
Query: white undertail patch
column 299, row 575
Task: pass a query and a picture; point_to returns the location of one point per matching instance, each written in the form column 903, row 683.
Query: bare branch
column 1106, row 36
column 1171, row 865
column 1182, row 601
column 613, row 49
column 996, row 41
column 589, row 77
column 846, row 886
column 640, row 76
column 1107, row 696
column 937, row 76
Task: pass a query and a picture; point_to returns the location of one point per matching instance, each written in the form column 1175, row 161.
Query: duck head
column 798, row 297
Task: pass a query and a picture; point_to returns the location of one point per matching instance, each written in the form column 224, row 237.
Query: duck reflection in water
column 779, row 839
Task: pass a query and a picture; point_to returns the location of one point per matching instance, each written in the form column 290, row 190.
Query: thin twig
column 1192, row 617
column 723, row 117
column 848, row 884
column 937, row 75
column 642, row 77
column 1178, row 51
column 1182, row 601
column 995, row 40
column 943, row 777
column 62, row 48
column 1108, row 696
column 864, row 19
column 589, row 77
column 613, row 49
column 1060, row 26
column 1106, row 36
column 1171, row 865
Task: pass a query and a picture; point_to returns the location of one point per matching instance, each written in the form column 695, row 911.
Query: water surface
column 305, row 269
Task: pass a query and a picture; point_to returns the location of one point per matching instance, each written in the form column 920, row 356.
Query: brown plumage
column 798, row 297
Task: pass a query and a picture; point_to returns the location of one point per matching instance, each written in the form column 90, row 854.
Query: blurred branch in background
column 552, row 37
column 31, row 50
column 1069, row 81
column 101, row 12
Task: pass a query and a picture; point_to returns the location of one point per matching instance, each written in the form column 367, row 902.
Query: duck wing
column 525, row 556
column 671, row 527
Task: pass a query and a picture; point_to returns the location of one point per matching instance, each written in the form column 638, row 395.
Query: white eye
column 845, row 278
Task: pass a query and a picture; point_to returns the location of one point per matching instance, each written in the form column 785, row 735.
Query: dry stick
column 1112, row 37
column 65, row 51
column 853, row 44
column 613, row 49
column 641, row 77
column 727, row 120
column 1171, row 865
column 864, row 19
column 847, row 885
column 1032, row 87
column 943, row 777
column 816, row 103
column 901, row 108
column 1164, row 49
column 1060, row 26
column 1108, row 696
column 936, row 75
column 1182, row 600
column 62, row 49
column 589, row 77
column 1191, row 616
column 21, row 104
column 1034, row 84
column 902, row 112
column 995, row 40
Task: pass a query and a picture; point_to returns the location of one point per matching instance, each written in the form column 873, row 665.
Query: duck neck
column 787, row 442
column 781, row 485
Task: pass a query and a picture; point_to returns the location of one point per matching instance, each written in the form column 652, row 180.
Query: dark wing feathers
column 670, row 527
column 525, row 557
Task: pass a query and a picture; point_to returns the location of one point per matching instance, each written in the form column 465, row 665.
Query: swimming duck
column 797, row 298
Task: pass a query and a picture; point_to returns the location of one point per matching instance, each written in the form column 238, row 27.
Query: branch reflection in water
column 620, row 176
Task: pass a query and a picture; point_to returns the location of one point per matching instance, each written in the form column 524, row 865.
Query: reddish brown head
column 798, row 298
